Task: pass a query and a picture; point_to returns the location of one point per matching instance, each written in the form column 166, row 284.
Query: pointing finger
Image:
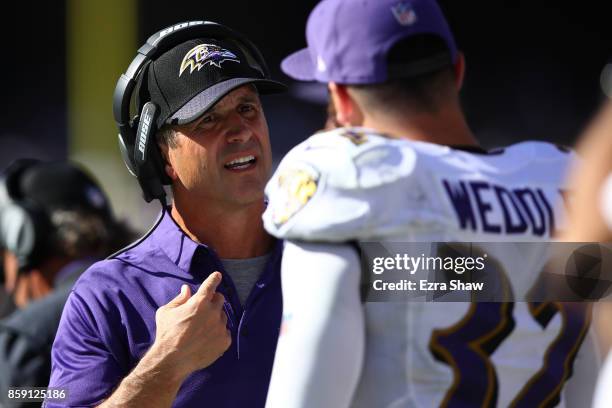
column 209, row 286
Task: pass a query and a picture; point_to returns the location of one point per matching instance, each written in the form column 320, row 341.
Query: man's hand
column 191, row 330
column 191, row 334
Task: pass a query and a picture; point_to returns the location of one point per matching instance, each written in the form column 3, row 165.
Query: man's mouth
column 241, row 163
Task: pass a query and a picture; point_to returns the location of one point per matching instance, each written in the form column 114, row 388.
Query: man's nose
column 238, row 132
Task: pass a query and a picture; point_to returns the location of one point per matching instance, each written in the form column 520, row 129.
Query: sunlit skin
column 447, row 127
column 214, row 204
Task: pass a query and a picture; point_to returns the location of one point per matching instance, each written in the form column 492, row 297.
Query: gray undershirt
column 244, row 273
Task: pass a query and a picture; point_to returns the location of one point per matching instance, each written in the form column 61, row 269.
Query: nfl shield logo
column 404, row 13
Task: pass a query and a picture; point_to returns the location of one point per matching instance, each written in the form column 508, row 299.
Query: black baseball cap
column 190, row 78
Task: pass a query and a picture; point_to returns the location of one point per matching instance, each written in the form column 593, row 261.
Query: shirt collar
column 181, row 249
column 171, row 240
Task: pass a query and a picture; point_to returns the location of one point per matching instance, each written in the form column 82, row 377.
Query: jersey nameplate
column 495, row 209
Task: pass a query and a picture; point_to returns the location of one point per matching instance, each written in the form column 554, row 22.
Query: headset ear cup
column 147, row 157
column 24, row 227
column 126, row 154
column 24, row 231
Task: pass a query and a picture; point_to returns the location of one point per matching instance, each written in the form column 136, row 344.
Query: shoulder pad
column 326, row 186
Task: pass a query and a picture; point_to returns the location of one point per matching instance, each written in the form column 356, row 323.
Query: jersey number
column 467, row 346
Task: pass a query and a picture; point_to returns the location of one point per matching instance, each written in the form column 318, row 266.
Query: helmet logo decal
column 204, row 54
column 404, row 13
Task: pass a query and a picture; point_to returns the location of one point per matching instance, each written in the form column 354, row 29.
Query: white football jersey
column 353, row 184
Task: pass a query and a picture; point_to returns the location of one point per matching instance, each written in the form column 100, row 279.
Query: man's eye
column 246, row 108
column 206, row 121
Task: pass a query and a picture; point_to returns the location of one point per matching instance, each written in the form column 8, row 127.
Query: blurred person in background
column 590, row 207
column 590, row 221
column 7, row 306
column 55, row 221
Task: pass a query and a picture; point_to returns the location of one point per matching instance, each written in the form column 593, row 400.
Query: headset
column 25, row 227
column 146, row 162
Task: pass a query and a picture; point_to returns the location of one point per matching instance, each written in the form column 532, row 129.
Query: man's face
column 224, row 156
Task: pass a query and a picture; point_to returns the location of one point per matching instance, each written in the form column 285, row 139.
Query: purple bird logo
column 204, row 54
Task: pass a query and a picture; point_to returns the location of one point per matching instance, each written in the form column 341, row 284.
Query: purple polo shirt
column 108, row 323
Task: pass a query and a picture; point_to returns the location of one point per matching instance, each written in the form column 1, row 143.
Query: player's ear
column 459, row 70
column 348, row 112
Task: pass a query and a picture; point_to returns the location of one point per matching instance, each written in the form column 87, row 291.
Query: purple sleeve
column 84, row 355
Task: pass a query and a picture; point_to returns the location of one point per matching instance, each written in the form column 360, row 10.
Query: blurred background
column 533, row 72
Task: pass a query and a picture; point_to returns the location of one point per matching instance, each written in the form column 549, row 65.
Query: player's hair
column 78, row 234
column 423, row 92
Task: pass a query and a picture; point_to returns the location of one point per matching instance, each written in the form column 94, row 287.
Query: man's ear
column 165, row 153
column 459, row 70
column 348, row 112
